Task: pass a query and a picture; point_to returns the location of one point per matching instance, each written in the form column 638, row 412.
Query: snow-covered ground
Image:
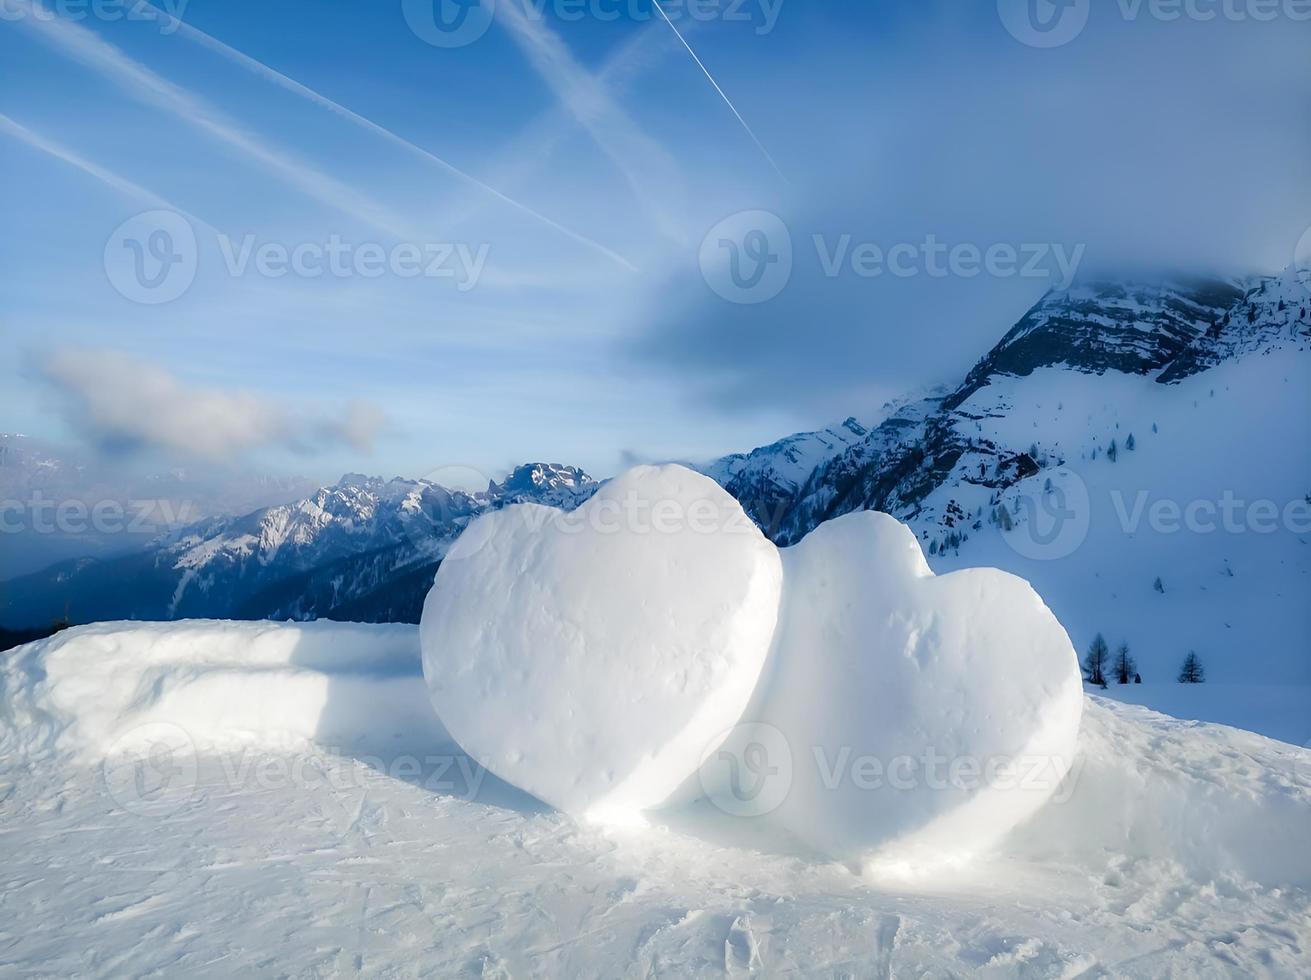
column 1226, row 536
column 290, row 827
column 1281, row 711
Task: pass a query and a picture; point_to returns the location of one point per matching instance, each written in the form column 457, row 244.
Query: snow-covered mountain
column 1096, row 450
column 58, row 504
column 768, row 480
column 1060, row 456
column 349, row 550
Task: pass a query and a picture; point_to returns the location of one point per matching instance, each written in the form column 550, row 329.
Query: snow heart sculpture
column 906, row 718
column 589, row 657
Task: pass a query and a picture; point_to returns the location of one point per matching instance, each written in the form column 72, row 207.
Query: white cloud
column 123, row 404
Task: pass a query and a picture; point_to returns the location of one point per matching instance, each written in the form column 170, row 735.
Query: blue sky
column 558, row 177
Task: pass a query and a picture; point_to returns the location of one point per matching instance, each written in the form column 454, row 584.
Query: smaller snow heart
column 589, row 657
column 905, row 718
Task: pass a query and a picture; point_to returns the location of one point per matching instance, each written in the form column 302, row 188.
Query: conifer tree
column 1192, row 672
column 1094, row 663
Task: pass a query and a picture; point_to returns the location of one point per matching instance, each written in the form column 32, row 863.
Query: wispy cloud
column 526, row 154
column 649, row 169
column 124, row 404
column 84, row 46
column 110, row 179
column 264, row 71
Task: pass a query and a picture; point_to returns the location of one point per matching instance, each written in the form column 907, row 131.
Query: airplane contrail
column 107, row 177
column 649, row 170
column 304, row 91
column 87, row 47
column 727, row 101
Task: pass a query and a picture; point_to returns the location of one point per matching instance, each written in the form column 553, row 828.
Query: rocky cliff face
column 1162, row 332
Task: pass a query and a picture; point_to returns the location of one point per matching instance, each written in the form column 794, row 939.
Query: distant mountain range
column 55, row 505
column 1208, row 376
column 363, row 549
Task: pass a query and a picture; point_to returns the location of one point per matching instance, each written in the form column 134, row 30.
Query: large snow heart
column 907, row 718
column 589, row 657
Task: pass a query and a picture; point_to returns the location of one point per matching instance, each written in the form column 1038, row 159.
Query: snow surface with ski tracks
column 311, row 819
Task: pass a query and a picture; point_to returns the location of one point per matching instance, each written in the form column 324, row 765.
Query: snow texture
column 100, row 690
column 923, row 716
column 1177, row 849
column 593, row 658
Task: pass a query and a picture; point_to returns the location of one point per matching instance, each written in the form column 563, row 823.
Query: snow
column 97, row 690
column 1235, row 590
column 1281, row 711
column 593, row 657
column 1219, row 803
column 912, row 718
column 790, row 460
column 1180, row 849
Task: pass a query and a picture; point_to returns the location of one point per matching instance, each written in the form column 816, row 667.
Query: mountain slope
column 1210, row 379
column 337, row 552
column 1010, row 468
